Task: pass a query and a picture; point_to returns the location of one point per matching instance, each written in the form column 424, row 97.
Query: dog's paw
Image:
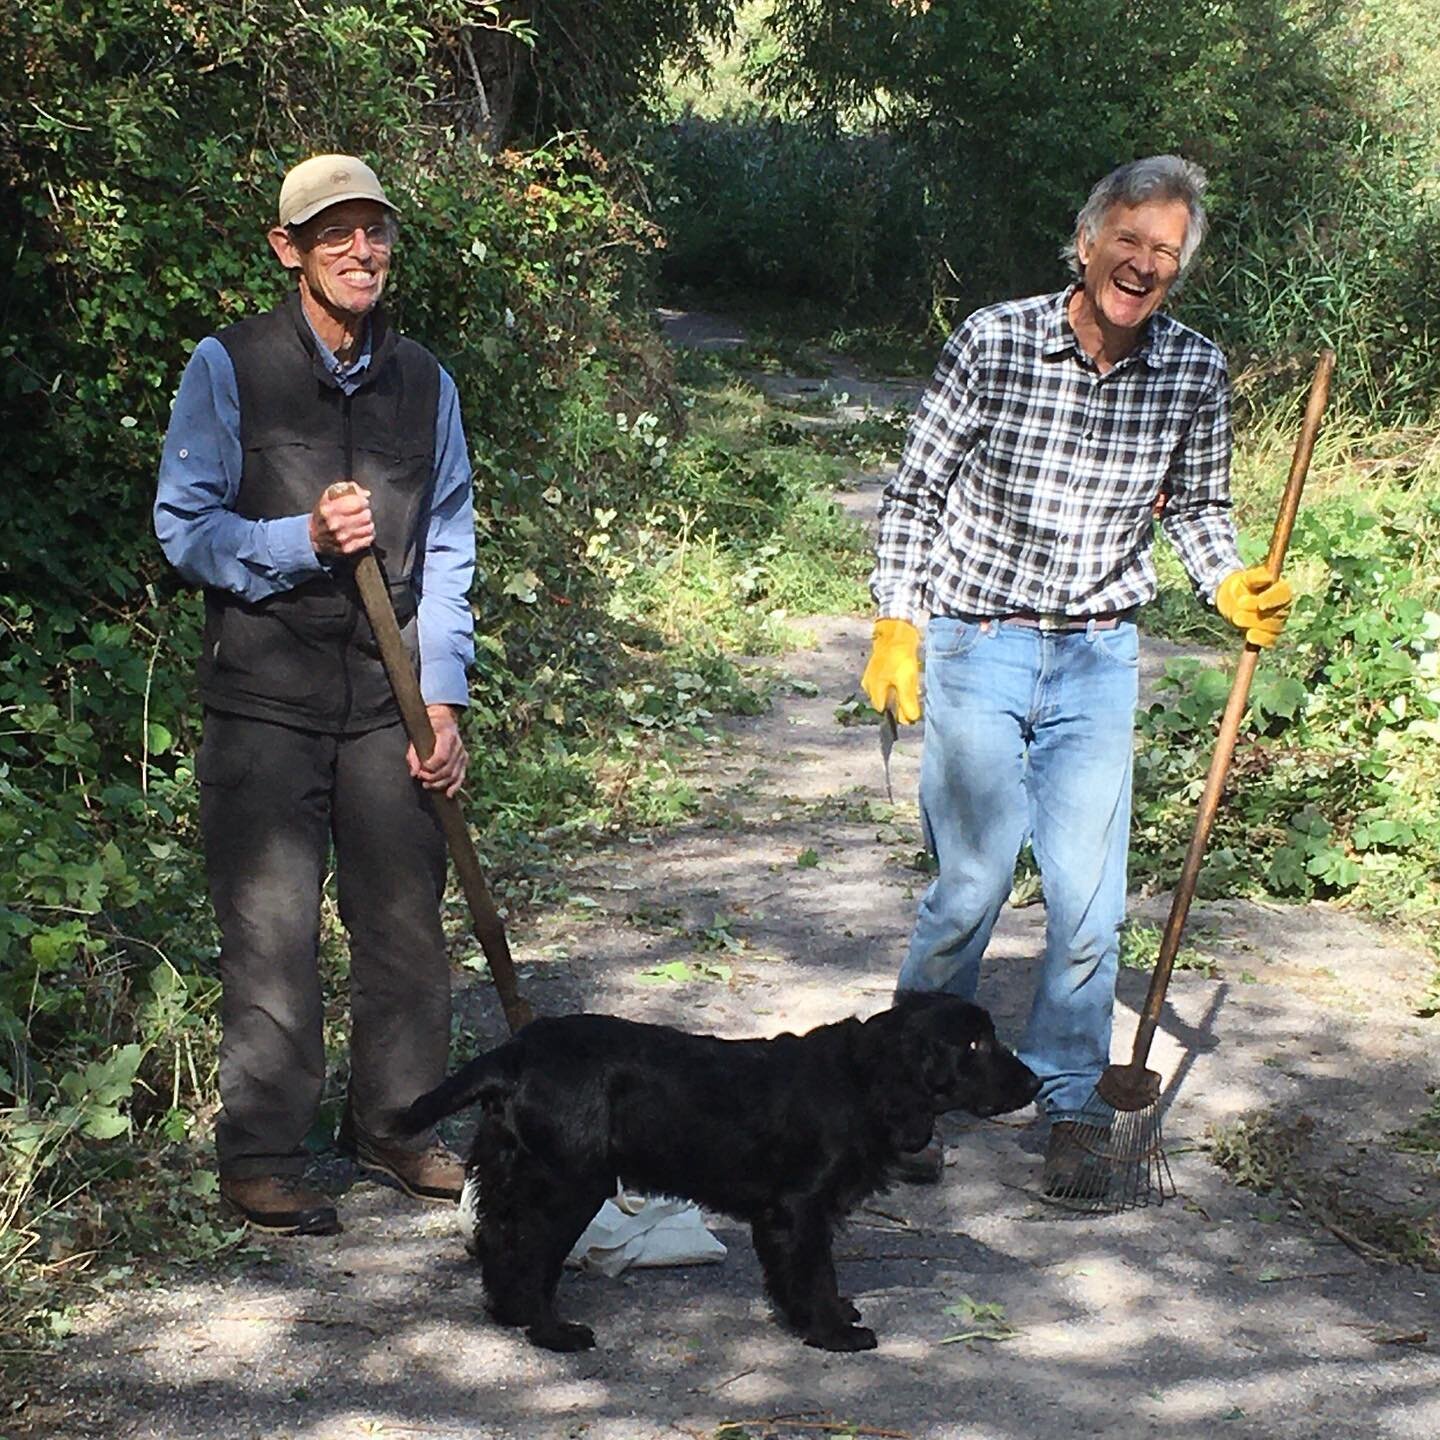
column 853, row 1337
column 558, row 1335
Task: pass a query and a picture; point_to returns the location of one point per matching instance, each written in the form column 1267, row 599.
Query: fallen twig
column 739, row 1376
column 830, row 1427
column 899, row 1220
column 1362, row 1248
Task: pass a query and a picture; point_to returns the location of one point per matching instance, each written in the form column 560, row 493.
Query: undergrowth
column 1334, row 792
column 1271, row 1155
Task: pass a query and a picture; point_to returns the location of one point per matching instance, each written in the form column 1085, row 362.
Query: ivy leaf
column 1287, row 873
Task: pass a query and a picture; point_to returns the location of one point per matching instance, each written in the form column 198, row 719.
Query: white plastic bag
column 636, row 1230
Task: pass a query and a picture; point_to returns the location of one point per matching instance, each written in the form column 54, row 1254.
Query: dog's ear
column 936, row 1038
column 909, row 1119
column 888, row 1055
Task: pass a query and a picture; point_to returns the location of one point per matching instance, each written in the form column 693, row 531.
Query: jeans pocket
column 223, row 759
column 1120, row 646
column 947, row 638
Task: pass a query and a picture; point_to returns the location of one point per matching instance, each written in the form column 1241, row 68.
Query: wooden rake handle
column 1230, row 723
column 490, row 930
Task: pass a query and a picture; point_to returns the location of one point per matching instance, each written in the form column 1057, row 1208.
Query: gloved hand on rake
column 1256, row 602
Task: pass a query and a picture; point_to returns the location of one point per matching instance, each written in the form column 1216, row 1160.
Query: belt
column 1064, row 624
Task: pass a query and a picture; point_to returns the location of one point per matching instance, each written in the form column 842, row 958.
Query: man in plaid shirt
column 1020, row 523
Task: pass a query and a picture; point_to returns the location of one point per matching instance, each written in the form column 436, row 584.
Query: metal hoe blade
column 889, row 729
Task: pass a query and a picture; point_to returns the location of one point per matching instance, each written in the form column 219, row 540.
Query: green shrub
column 915, row 161
column 751, row 203
column 1333, row 790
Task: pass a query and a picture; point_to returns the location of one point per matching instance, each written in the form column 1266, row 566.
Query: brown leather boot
column 1070, row 1171
column 280, row 1205
column 434, row 1173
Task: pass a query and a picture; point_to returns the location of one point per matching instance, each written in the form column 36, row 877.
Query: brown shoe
column 1071, row 1170
column 281, row 1205
column 434, row 1173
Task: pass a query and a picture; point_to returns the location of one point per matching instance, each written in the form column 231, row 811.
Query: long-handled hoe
column 485, row 918
column 1123, row 1165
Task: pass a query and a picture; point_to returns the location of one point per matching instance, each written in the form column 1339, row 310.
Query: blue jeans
column 1029, row 732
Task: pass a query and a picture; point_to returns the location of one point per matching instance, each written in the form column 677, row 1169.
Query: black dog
column 788, row 1134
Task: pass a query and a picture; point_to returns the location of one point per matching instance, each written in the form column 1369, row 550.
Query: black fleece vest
column 307, row 657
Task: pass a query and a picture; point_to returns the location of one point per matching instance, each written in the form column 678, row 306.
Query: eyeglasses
column 337, row 239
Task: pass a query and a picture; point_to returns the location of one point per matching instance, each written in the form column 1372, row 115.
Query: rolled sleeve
column 913, row 506
column 199, row 480
column 447, row 563
column 1198, row 519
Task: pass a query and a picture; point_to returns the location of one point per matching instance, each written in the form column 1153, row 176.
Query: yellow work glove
column 1252, row 601
column 894, row 669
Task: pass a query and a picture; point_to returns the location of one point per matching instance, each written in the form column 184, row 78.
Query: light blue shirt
column 210, row 544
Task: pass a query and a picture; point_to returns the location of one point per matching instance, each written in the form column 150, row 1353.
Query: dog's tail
column 453, row 1093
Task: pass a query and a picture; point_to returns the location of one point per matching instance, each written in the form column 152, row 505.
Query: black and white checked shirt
column 1028, row 478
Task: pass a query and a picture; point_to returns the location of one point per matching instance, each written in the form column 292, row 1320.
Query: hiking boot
column 1071, row 1171
column 434, row 1173
column 280, row 1205
column 922, row 1167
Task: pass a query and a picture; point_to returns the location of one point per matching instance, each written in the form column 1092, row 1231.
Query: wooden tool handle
column 1230, row 723
column 375, row 596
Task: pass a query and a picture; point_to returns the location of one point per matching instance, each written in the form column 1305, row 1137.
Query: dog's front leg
column 794, row 1246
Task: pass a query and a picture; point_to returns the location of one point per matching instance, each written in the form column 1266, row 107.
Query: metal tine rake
column 1119, row 1160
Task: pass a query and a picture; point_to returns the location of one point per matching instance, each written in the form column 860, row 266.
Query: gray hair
column 1157, row 177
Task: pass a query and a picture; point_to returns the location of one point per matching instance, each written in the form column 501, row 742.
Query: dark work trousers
column 273, row 800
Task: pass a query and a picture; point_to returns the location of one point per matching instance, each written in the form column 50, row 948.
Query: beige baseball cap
column 327, row 180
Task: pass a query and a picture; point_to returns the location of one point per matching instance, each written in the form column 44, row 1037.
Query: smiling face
column 338, row 289
column 1131, row 265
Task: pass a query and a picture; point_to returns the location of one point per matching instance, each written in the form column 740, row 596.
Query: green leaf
column 675, row 972
column 523, row 585
column 105, row 1124
column 203, row 1182
column 807, row 860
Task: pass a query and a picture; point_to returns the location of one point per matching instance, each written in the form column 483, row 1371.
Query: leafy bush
column 755, row 203
column 1313, row 131
column 1333, row 791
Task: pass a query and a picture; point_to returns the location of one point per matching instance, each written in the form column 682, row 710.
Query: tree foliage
column 998, row 115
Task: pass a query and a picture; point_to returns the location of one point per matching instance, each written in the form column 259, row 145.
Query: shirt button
column 184, row 454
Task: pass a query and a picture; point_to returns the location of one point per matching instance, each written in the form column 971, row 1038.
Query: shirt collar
column 1154, row 347
column 342, row 372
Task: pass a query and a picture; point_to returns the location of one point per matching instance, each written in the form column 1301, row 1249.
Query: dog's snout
column 1010, row 1084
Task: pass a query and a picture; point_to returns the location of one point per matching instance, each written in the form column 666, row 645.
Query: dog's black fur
column 789, row 1134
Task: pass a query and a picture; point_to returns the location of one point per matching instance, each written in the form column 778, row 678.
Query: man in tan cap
column 303, row 750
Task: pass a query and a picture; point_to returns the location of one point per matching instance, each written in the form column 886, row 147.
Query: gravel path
column 1221, row 1313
